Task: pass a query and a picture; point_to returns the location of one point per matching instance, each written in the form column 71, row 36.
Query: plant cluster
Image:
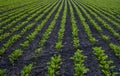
column 75, row 29
column 105, row 64
column 115, row 49
column 9, row 43
column 79, row 59
column 15, row 55
column 2, row 72
column 27, row 70
column 54, row 66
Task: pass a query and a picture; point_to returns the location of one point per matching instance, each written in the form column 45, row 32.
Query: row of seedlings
column 17, row 11
column 12, row 17
column 59, row 44
column 32, row 36
column 14, row 39
column 115, row 49
column 20, row 51
column 78, row 57
column 16, row 5
column 105, row 64
column 105, row 17
column 95, row 25
column 5, row 35
column 106, row 13
column 49, row 30
column 55, row 62
column 18, row 17
column 86, row 27
column 16, row 54
column 107, row 26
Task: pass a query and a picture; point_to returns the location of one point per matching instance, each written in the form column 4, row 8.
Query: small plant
column 27, row 70
column 59, row 46
column 15, row 55
column 106, row 38
column 76, row 43
column 54, row 65
column 38, row 51
column 25, row 44
column 116, row 49
column 2, row 72
column 79, row 59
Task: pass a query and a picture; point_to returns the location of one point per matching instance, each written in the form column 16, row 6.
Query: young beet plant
column 54, row 65
column 2, row 72
column 15, row 55
column 27, row 70
column 105, row 64
column 115, row 49
column 59, row 46
column 79, row 59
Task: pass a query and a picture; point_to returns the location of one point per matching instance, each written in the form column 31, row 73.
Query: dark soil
column 67, row 68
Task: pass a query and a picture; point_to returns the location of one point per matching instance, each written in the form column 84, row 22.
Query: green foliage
column 15, row 55
column 9, row 43
column 105, row 64
column 108, row 5
column 27, row 70
column 106, row 38
column 76, row 43
column 2, row 37
column 59, row 46
column 115, row 48
column 54, row 65
column 25, row 44
column 38, row 51
column 2, row 72
column 75, row 29
column 79, row 59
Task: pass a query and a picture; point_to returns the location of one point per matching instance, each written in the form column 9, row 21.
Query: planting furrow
column 59, row 44
column 67, row 67
column 76, row 41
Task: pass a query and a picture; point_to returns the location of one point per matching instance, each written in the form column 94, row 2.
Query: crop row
column 102, row 22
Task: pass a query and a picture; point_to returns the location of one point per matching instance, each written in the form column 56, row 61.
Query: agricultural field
column 59, row 38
